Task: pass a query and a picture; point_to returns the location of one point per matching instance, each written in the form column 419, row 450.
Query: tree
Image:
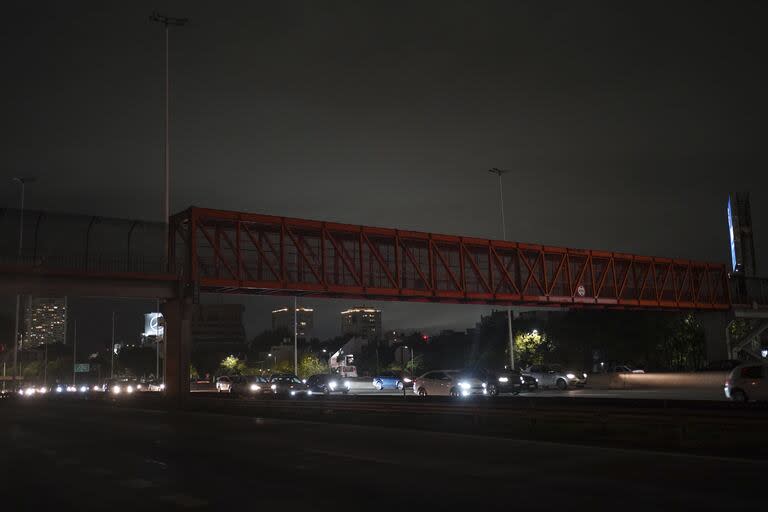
column 136, row 361
column 410, row 366
column 684, row 345
column 531, row 347
column 232, row 365
column 310, row 364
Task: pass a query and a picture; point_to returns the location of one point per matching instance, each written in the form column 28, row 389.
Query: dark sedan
column 287, row 385
column 508, row 381
column 327, row 384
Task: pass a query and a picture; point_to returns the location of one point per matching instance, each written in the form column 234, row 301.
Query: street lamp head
column 269, row 355
column 168, row 20
column 497, row 171
column 23, row 180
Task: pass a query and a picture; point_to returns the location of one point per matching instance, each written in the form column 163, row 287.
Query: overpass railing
column 748, row 291
column 78, row 263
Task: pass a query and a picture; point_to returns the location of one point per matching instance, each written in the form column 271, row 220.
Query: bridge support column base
column 178, row 334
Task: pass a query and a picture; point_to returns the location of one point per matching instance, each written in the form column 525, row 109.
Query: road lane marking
column 184, row 500
column 136, row 483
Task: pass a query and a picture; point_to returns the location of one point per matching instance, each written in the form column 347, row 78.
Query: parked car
column 554, row 375
column 224, row 384
column 508, row 381
column 622, row 368
column 390, row 380
column 747, row 382
column 202, row 384
column 326, row 384
column 449, row 383
column 725, row 365
column 287, row 384
column 249, row 385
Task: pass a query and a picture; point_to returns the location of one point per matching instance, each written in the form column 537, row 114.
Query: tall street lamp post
column 167, row 21
column 499, row 173
column 23, row 182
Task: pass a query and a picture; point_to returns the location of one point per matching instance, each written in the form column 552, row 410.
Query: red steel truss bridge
column 232, row 252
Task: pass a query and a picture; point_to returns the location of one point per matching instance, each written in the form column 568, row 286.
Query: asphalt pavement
column 79, row 456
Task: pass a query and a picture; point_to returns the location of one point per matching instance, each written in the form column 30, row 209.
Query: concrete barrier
column 672, row 380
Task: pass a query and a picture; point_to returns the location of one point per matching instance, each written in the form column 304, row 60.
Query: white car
column 747, row 382
column 224, row 384
column 553, row 375
column 449, row 383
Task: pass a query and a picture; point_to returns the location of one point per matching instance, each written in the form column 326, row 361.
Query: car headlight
column 162, row 387
column 138, row 386
column 58, row 389
column 43, row 390
column 347, row 384
column 255, row 387
column 464, row 385
column 293, row 393
column 95, row 388
column 29, row 391
column 570, row 375
column 503, row 379
column 129, row 389
column 309, row 392
column 484, row 385
column 273, row 387
column 332, row 384
column 83, row 389
column 407, row 380
column 584, row 375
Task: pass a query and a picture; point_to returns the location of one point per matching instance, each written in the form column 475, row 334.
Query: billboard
column 154, row 324
column 732, row 235
column 740, row 235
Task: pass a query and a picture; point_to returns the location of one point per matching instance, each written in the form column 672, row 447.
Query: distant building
column 283, row 317
column 45, row 321
column 218, row 324
column 362, row 321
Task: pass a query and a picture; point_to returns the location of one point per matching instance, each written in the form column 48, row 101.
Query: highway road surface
column 88, row 457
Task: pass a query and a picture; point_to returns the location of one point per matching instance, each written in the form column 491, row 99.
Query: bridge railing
column 94, row 263
column 749, row 291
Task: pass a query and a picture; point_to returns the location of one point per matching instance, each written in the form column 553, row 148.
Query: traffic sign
column 82, row 368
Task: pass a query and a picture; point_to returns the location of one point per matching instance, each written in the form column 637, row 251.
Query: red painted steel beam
column 352, row 261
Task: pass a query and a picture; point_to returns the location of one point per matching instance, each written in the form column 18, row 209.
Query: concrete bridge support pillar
column 178, row 334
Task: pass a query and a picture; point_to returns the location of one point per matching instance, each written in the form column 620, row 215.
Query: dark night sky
column 625, row 123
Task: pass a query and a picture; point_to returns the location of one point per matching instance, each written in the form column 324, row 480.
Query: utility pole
column 157, row 344
column 112, row 350
column 23, row 182
column 499, row 172
column 295, row 339
column 167, row 21
column 74, row 356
